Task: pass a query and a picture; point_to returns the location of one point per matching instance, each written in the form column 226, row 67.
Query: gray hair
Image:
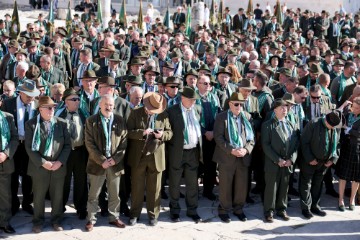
column 107, row 97
column 134, row 89
column 23, row 65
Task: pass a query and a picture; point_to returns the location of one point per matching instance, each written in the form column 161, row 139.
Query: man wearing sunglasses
column 76, row 164
column 171, row 94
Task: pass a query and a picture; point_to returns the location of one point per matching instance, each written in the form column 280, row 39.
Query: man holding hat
column 280, row 143
column 106, row 141
column 320, row 148
column 22, row 108
column 148, row 130
column 48, row 144
column 76, row 164
column 235, row 140
column 185, row 153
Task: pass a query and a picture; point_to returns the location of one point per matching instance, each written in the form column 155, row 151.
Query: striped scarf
column 5, row 131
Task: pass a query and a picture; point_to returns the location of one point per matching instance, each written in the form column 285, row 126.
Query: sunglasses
column 73, row 99
column 49, row 108
column 313, row 97
column 173, row 86
column 236, row 104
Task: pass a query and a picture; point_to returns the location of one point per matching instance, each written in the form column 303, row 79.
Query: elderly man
column 280, row 143
column 56, row 92
column 47, row 142
column 191, row 78
column 20, row 56
column 113, row 69
column 21, row 69
column 22, row 108
column 50, row 73
column 136, row 95
column 9, row 143
column 235, row 141
column 171, row 94
column 76, row 164
column 148, row 128
column 185, row 153
column 105, row 140
column 88, row 92
column 224, row 88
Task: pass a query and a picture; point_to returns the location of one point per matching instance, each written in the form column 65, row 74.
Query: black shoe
column 256, row 190
column 14, row 211
column 195, row 217
column 182, row 195
column 8, row 229
column 341, row 208
column 82, row 214
column 29, row 209
column 104, row 213
column 225, row 218
column 283, row 215
column 133, row 221
column 124, row 210
column 307, row 214
column 250, row 200
column 175, row 217
column 332, row 193
column 211, row 196
column 318, row 212
column 242, row 217
column 153, row 222
column 293, row 192
column 164, row 195
column 269, row 218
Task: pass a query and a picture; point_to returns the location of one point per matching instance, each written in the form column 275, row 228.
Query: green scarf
column 83, row 104
column 262, row 99
column 342, row 85
column 5, row 131
column 43, row 74
column 107, row 133
column 352, row 119
column 327, row 140
column 235, row 138
column 214, row 107
column 326, row 92
column 36, row 141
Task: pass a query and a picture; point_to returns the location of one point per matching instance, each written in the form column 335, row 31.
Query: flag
column 140, row 17
column 15, row 23
column 99, row 12
column 250, row 8
column 221, row 12
column 213, row 19
column 278, row 13
column 68, row 19
column 51, row 19
column 122, row 15
column 167, row 17
column 188, row 22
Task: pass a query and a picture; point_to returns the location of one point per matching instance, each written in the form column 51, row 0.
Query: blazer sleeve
column 133, row 131
column 306, row 136
column 266, row 143
column 90, row 144
column 14, row 140
column 34, row 157
column 66, row 149
column 219, row 135
column 120, row 151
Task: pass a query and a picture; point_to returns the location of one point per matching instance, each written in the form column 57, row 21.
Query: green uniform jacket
column 96, row 144
column 313, row 143
column 60, row 150
column 222, row 154
column 136, row 125
column 274, row 144
column 325, row 106
column 7, row 167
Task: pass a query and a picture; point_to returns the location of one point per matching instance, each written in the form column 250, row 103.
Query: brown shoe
column 283, row 215
column 37, row 229
column 89, row 226
column 269, row 218
column 118, row 223
column 57, row 227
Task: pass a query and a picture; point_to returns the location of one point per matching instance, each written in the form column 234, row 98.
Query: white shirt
column 192, row 133
column 90, row 96
column 21, row 114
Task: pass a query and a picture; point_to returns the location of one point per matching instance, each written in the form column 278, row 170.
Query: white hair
column 245, row 54
column 134, row 89
column 23, row 65
column 107, row 97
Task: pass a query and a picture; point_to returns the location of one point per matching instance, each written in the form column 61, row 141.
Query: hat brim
column 196, row 97
column 247, row 88
column 34, row 93
column 150, row 108
column 154, row 71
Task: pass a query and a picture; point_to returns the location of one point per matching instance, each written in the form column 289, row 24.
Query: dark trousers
column 310, row 186
column 76, row 166
column 233, row 181
column 5, row 199
column 21, row 160
column 328, row 180
column 125, row 188
column 209, row 165
column 189, row 166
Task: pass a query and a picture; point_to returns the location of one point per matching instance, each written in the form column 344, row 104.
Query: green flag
column 51, row 20
column 140, row 17
column 99, row 12
column 188, row 22
column 15, row 23
column 250, row 8
column 213, row 19
column 122, row 15
column 68, row 19
column 167, row 18
column 221, row 12
column 278, row 13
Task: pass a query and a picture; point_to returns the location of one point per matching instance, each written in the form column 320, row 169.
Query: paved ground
column 335, row 226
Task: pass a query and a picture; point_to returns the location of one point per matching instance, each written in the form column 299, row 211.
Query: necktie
column 26, row 115
column 285, row 129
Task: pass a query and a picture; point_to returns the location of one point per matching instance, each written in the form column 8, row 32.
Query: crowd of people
column 130, row 116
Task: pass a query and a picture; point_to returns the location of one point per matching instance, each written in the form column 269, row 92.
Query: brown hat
column 29, row 88
column 110, row 81
column 246, row 84
column 192, row 72
column 68, row 92
column 33, row 72
column 176, row 54
column 136, row 61
column 278, row 103
column 151, row 69
column 154, row 102
column 315, row 68
column 109, row 48
column 22, row 51
column 77, row 40
column 224, row 70
column 35, row 35
column 190, row 93
column 339, row 62
column 45, row 100
column 169, row 65
column 289, row 98
column 89, row 74
column 31, row 43
column 115, row 57
column 237, row 97
column 172, row 80
column 134, row 80
column 13, row 43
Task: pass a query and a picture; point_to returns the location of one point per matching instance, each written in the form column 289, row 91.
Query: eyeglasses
column 31, row 28
column 205, row 83
column 315, row 97
column 73, row 99
column 173, row 86
column 288, row 62
column 49, row 108
column 236, row 104
column 40, row 31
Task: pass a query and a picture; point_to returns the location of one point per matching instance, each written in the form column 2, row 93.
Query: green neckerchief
column 83, row 104
column 327, row 140
column 196, row 123
column 262, row 99
column 5, row 131
column 352, row 119
column 326, row 91
column 247, row 105
column 214, row 107
column 172, row 101
column 152, row 121
column 235, row 138
column 36, row 141
column 291, row 117
column 342, row 85
column 43, row 74
column 107, row 133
